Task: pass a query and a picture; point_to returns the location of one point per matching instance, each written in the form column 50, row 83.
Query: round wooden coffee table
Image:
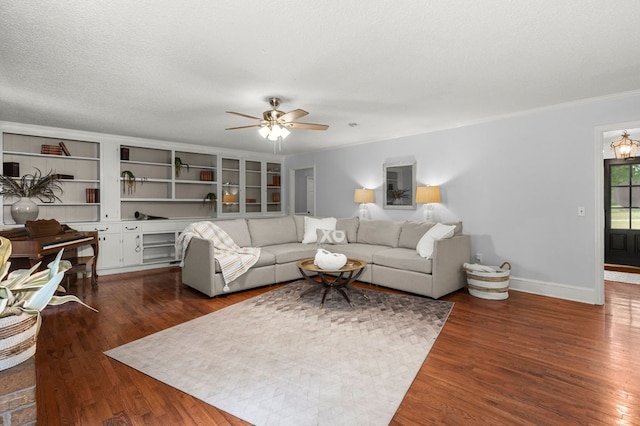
column 337, row 279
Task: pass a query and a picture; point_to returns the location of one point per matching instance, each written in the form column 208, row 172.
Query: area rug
column 279, row 360
column 622, row 277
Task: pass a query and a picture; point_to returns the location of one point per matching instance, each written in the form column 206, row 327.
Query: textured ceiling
column 170, row 69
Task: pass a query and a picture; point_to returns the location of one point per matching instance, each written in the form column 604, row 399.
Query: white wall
column 516, row 184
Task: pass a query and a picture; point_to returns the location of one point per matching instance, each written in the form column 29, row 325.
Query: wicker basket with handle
column 18, row 334
column 490, row 285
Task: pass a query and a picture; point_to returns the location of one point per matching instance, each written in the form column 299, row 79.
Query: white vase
column 23, row 210
column 330, row 261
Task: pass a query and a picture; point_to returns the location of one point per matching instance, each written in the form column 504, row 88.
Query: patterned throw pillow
column 328, row 236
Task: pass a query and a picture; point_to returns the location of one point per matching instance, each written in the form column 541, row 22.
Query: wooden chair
column 82, row 265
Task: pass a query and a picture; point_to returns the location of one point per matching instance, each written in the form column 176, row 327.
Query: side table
column 338, row 279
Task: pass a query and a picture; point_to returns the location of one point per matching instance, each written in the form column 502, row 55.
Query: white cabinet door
column 131, row 245
column 109, row 244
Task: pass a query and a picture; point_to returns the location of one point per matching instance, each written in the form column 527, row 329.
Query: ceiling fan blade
column 292, row 115
column 308, row 126
column 244, row 127
column 244, row 115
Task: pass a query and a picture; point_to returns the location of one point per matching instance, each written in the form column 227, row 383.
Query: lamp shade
column 428, row 194
column 363, row 196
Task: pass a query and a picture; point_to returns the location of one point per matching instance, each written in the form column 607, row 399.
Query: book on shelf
column 63, row 176
column 64, row 149
column 93, row 195
column 206, row 175
column 51, row 149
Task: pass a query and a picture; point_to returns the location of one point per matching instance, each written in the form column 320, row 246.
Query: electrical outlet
column 479, row 257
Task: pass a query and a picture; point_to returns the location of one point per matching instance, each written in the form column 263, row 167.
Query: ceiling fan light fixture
column 264, row 131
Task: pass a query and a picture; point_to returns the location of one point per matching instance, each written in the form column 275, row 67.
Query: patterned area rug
column 279, row 360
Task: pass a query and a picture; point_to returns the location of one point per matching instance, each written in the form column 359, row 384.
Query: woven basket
column 18, row 335
column 490, row 285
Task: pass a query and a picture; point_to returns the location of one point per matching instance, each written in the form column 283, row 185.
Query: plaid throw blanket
column 234, row 260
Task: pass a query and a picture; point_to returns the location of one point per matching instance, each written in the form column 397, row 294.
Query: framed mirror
column 399, row 186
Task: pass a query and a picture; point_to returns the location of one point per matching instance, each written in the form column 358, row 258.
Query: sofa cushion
column 411, row 232
column 350, row 226
column 312, row 224
column 326, row 236
column 291, row 252
column 266, row 259
column 359, row 251
column 237, row 229
column 278, row 230
column 439, row 231
column 379, row 232
column 403, row 258
column 299, row 220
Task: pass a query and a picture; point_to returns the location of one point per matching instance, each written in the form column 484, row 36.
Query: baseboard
column 560, row 291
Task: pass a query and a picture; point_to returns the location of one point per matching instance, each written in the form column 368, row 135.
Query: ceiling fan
column 275, row 124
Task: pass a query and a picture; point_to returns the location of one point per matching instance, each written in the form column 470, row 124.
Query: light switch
column 581, row 211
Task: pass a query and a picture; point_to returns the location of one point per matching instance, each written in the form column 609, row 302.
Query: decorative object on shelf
column 276, row 180
column 64, row 149
column 206, row 175
column 275, row 197
column 36, row 185
column 142, row 216
column 625, row 147
column 129, row 181
column 229, row 198
column 124, row 153
column 364, row 196
column 324, row 259
column 210, row 199
column 275, row 124
column 177, row 162
column 23, row 294
column 11, row 169
column 428, row 195
column 51, row 149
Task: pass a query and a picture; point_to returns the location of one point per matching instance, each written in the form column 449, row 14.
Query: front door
column 622, row 212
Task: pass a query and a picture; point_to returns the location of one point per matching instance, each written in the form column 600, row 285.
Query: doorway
column 622, row 212
column 303, row 191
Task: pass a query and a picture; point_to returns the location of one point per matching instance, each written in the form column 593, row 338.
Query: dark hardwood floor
column 527, row 360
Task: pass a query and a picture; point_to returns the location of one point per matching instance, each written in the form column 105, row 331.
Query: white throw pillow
column 312, row 224
column 438, row 232
column 326, row 236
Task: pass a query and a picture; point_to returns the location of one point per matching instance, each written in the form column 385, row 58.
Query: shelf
column 159, row 244
column 145, row 163
column 159, row 259
column 58, row 204
column 63, row 157
column 196, row 182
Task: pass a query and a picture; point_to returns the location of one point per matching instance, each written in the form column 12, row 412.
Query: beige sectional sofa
column 388, row 247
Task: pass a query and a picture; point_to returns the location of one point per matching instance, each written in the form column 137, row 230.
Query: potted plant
column 44, row 187
column 177, row 162
column 210, row 199
column 23, row 294
column 129, row 181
